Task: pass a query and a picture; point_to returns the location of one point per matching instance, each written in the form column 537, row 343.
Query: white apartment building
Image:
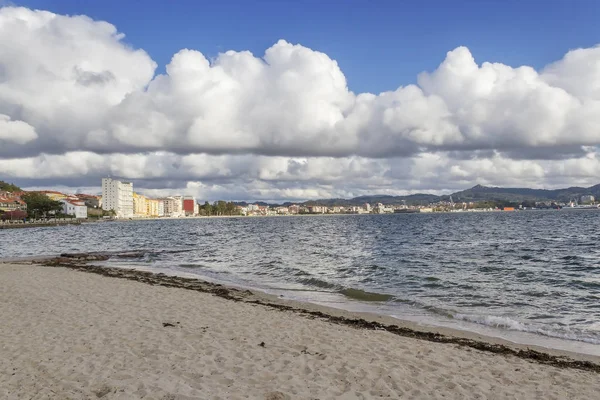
column 117, row 196
column 173, row 206
column 74, row 207
column 178, row 206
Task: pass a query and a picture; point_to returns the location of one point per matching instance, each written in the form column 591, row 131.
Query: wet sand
column 68, row 333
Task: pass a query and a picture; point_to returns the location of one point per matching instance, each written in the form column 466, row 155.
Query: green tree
column 221, row 207
column 9, row 187
column 230, row 208
column 40, row 205
column 208, row 208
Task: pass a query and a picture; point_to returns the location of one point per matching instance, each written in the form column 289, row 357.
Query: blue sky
column 379, row 45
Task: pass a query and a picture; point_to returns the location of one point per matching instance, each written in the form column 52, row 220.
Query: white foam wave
column 508, row 323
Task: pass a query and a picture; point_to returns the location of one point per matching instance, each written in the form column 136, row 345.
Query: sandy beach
column 68, row 334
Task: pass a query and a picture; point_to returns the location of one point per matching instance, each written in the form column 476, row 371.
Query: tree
column 230, row 208
column 208, row 209
column 40, row 205
column 221, row 207
column 9, row 187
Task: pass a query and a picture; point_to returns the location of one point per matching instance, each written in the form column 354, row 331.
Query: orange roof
column 50, row 191
column 11, row 199
column 73, row 202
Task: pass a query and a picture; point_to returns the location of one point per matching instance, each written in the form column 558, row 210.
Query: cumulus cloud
column 77, row 102
column 62, row 75
column 250, row 177
column 16, row 131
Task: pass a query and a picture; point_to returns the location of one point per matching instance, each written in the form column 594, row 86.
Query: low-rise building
column 294, row 209
column 587, row 199
column 379, row 208
column 317, row 209
column 9, row 202
column 90, row 201
column 74, row 207
column 173, row 206
column 140, row 205
column 188, row 206
column 153, row 207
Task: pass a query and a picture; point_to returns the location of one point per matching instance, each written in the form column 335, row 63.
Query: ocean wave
column 318, row 283
column 362, row 295
column 588, row 283
column 508, row 323
column 351, row 293
column 191, row 266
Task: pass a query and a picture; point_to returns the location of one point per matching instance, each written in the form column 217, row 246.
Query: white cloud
column 77, row 102
column 63, row 74
column 245, row 177
column 16, row 131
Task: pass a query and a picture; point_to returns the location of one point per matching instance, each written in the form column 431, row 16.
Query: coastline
column 75, row 332
column 83, row 262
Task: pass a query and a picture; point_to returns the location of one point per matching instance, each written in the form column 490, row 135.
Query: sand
column 67, row 334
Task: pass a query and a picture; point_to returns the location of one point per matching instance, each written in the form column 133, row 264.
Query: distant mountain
column 414, row 199
column 9, row 187
column 477, row 193
column 482, row 193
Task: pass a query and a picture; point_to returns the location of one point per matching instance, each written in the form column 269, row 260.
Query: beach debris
column 102, row 391
column 132, row 254
column 262, row 344
column 320, row 356
column 276, row 396
column 85, row 256
column 167, row 324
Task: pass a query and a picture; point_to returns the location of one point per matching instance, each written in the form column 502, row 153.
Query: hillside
column 477, row 193
column 9, row 187
column 480, row 193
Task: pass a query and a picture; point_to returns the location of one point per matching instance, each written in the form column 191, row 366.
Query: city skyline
column 290, row 117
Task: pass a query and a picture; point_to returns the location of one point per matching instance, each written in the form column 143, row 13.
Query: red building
column 189, row 205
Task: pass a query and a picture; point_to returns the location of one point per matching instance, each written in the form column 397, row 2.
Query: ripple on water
column 537, row 268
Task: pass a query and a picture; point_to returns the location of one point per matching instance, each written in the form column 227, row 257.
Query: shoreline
column 361, row 320
column 71, row 330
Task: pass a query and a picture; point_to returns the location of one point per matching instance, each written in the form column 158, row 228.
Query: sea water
column 531, row 276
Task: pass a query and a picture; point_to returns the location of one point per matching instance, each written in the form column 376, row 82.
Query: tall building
column 117, row 196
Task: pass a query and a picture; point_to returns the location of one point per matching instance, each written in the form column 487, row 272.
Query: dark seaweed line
column 237, row 295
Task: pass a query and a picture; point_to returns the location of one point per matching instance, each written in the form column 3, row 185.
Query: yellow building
column 140, row 205
column 152, row 207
